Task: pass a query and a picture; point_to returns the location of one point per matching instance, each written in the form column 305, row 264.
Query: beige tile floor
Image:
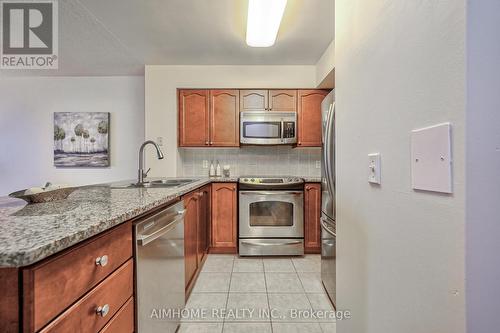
column 246, row 287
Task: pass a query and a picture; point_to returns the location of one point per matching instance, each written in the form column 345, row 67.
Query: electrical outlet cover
column 431, row 158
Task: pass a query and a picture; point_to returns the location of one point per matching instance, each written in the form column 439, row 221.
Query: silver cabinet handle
column 102, row 261
column 102, row 310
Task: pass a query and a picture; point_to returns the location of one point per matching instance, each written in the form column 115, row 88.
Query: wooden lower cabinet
column 204, row 222
column 123, row 321
column 191, row 204
column 312, row 216
column 52, row 285
column 109, row 296
column 196, row 233
column 224, row 218
column 9, row 300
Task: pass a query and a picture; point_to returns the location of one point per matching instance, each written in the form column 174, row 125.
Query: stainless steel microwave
column 268, row 128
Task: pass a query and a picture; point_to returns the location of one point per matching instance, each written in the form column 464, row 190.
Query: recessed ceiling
column 105, row 37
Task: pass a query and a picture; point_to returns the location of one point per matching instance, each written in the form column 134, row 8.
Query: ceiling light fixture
column 264, row 18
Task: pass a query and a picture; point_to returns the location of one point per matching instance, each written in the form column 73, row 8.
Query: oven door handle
column 271, row 192
column 270, row 244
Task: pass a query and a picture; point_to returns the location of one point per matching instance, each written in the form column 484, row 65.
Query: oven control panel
column 271, row 181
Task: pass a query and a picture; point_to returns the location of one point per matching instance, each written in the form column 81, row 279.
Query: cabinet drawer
column 53, row 285
column 110, row 295
column 123, row 321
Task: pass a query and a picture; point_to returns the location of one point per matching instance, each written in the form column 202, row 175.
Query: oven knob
column 252, row 180
column 245, row 180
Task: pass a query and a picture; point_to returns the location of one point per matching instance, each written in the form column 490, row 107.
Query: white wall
column 26, row 127
column 400, row 65
column 161, row 83
column 483, row 165
column 325, row 66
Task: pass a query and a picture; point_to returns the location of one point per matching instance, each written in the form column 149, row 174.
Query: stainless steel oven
column 268, row 128
column 271, row 218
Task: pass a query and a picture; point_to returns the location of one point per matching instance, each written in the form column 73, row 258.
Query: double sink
column 159, row 183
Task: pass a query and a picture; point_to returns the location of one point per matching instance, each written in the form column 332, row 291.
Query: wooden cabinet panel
column 283, row 100
column 123, row 321
column 224, row 216
column 193, row 118
column 224, row 118
column 52, row 285
column 204, row 222
column 191, row 235
column 82, row 316
column 9, row 300
column 312, row 216
column 309, row 117
column 253, row 100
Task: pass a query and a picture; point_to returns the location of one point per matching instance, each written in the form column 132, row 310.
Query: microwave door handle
column 282, row 130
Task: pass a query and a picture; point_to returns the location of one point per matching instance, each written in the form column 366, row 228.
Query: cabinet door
column 190, row 235
column 224, row 216
column 204, row 222
column 309, row 117
column 312, row 215
column 253, row 100
column 225, row 118
column 193, row 118
column 283, row 100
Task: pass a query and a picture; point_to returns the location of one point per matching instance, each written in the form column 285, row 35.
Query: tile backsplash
column 253, row 160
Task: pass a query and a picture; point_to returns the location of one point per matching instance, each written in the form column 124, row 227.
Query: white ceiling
column 118, row 37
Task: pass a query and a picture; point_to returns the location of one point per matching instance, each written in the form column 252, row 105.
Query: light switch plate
column 374, row 168
column 159, row 141
column 318, row 164
column 205, row 164
column 431, row 158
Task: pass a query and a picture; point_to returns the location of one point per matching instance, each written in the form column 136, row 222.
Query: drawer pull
column 102, row 261
column 102, row 310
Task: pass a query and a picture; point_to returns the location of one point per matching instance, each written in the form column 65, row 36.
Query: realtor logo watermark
column 29, row 34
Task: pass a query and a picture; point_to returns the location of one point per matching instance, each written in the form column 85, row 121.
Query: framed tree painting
column 81, row 139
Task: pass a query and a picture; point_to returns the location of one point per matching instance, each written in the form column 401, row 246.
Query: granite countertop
column 30, row 233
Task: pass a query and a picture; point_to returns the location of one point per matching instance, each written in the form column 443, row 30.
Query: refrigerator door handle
column 327, row 149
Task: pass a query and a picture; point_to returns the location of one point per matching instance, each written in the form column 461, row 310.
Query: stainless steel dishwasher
column 159, row 245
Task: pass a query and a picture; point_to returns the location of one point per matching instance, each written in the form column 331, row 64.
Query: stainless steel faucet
column 141, row 173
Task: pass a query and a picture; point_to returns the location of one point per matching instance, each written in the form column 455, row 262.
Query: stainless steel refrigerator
column 328, row 225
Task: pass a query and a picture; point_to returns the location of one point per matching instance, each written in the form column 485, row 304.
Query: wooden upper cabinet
column 312, row 215
column 224, row 216
column 309, row 117
column 253, row 100
column 283, row 100
column 193, row 118
column 225, row 118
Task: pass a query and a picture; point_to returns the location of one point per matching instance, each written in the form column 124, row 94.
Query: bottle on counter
column 218, row 171
column 211, row 173
column 226, row 171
